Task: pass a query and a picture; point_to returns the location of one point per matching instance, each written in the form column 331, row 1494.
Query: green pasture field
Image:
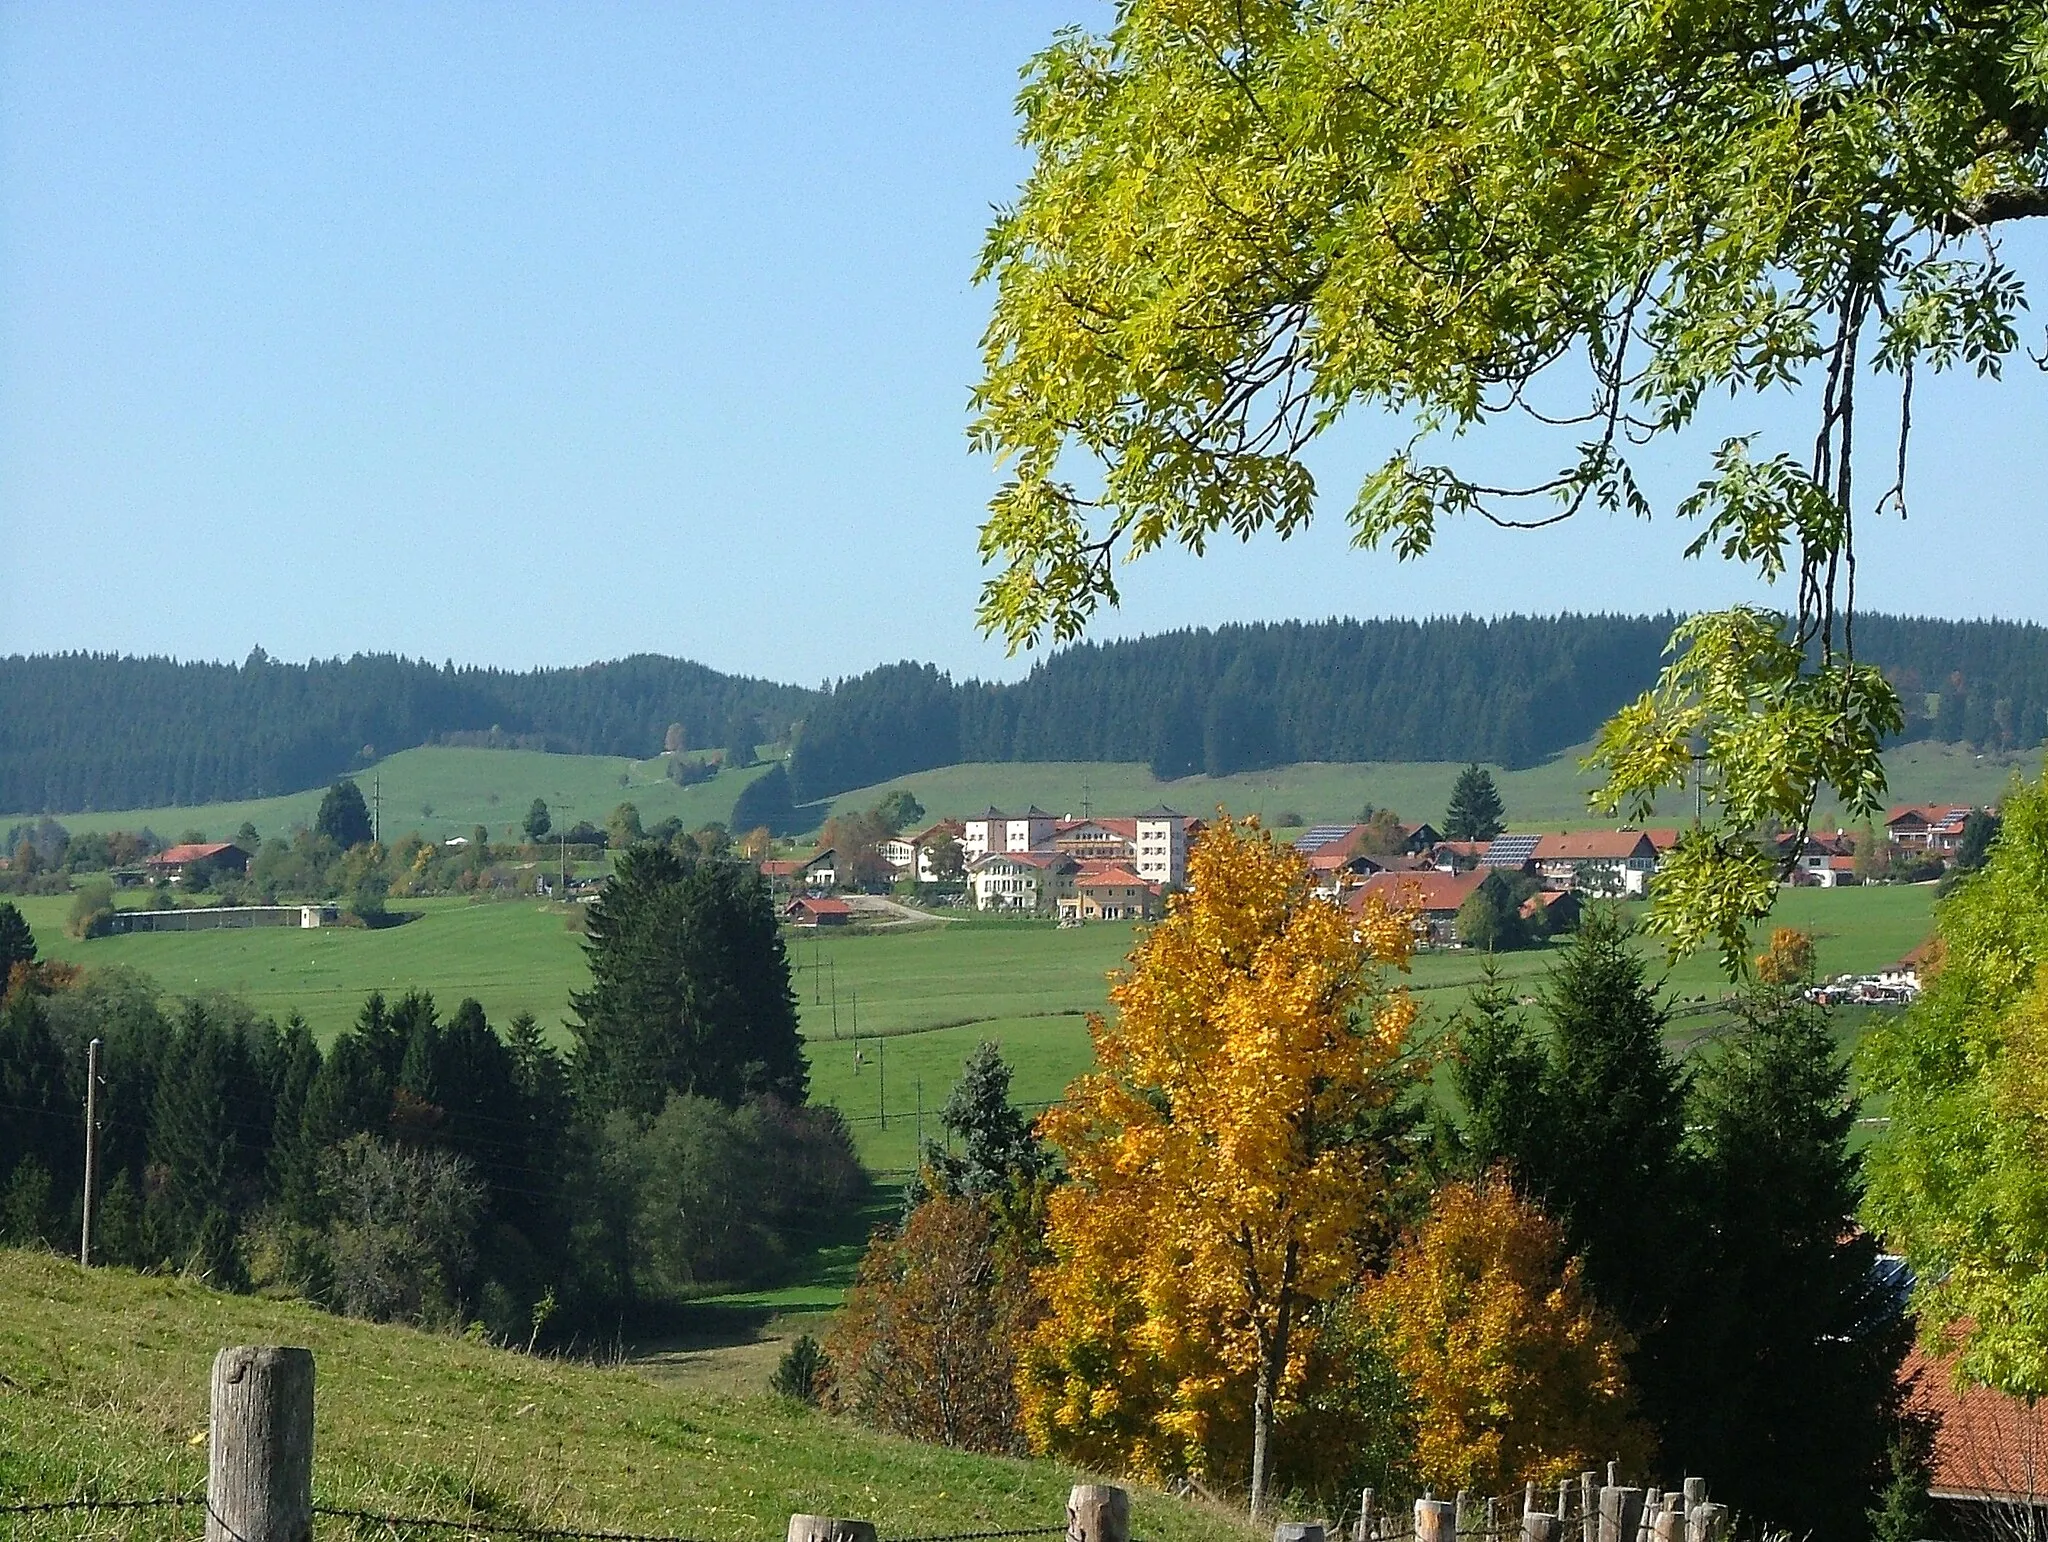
column 920, row 999
column 103, row 1391
column 494, row 788
column 463, row 788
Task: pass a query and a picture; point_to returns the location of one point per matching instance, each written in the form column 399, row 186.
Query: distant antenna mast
column 1087, row 809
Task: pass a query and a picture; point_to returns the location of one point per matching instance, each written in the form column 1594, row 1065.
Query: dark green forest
column 1511, row 692
column 92, row 731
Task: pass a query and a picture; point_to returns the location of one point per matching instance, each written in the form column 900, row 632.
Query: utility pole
column 92, row 1152
column 920, row 1115
column 882, row 1071
column 377, row 808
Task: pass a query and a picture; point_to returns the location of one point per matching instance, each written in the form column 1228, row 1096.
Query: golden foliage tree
column 1789, row 960
column 927, row 1343
column 1516, row 1373
column 1224, row 1175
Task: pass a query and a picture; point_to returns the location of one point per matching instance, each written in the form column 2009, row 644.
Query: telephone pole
column 377, row 808
column 92, row 1152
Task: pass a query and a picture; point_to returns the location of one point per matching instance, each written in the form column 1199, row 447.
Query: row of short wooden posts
column 259, row 1469
column 1605, row 1512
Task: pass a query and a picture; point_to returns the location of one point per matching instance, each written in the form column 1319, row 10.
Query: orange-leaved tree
column 1225, row 1172
column 1516, row 1373
column 1789, row 960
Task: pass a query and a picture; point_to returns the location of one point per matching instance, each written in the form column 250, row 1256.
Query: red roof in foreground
column 1111, row 877
column 1989, row 1445
column 1428, row 890
column 1594, row 846
column 197, row 851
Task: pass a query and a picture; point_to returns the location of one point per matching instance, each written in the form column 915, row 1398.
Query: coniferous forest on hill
column 94, row 731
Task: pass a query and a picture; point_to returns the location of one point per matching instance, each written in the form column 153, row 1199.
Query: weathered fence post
column 1695, row 1494
column 1298, row 1531
column 259, row 1461
column 1589, row 1515
column 1706, row 1523
column 1621, row 1513
column 1363, row 1532
column 1436, row 1520
column 1668, row 1526
column 1096, row 1512
column 829, row 1528
column 1538, row 1527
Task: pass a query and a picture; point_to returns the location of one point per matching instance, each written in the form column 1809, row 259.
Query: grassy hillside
column 442, row 792
column 103, row 1380
column 466, row 787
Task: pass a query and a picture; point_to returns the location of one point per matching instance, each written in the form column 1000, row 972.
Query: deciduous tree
column 1788, row 960
column 1517, row 1374
column 1246, row 222
column 1224, row 1172
column 538, row 820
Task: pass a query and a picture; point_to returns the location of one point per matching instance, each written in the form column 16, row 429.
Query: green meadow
column 889, row 1016
column 103, row 1391
column 440, row 791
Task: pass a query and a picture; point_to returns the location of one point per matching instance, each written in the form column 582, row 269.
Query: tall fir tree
column 1475, row 812
column 689, row 988
column 1795, row 1341
column 17, row 942
column 344, row 818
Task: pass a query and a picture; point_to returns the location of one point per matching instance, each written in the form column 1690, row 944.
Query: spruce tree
column 1475, row 812
column 343, row 818
column 17, row 942
column 689, row 988
column 1497, row 1070
column 998, row 1149
column 41, row 1120
column 1796, row 1343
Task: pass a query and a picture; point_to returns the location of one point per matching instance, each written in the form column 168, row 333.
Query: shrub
column 800, row 1374
column 92, row 909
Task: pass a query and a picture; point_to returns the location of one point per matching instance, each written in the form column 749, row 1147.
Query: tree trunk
column 1262, row 1430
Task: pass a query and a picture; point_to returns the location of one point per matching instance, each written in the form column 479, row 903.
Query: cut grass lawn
column 103, row 1391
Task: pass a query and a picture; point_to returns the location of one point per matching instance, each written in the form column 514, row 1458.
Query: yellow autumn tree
column 1516, row 1374
column 1789, row 960
column 1224, row 1175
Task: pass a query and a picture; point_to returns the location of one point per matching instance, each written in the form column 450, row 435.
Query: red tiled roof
column 1428, row 890
column 1593, row 846
column 1989, row 1445
column 1662, row 840
column 1110, row 877
column 779, row 869
column 191, row 852
column 820, row 906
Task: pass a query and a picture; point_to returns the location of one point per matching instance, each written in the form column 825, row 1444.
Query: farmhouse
column 1432, row 897
column 911, row 855
column 177, row 863
column 1928, row 827
column 1597, row 861
column 820, row 870
column 817, row 910
column 995, row 831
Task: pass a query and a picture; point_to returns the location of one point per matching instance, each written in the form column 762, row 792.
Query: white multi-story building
column 1161, row 847
column 996, row 831
column 1024, row 880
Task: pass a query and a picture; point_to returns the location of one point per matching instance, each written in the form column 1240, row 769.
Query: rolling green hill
column 442, row 791
column 103, row 1379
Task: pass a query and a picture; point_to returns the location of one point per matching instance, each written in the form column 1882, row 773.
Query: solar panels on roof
column 1510, row 851
column 1316, row 837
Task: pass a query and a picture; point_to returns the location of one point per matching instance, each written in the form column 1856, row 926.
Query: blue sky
column 536, row 334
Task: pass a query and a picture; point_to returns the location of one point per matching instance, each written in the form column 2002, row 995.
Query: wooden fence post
column 1706, row 1523
column 829, row 1528
column 1298, row 1531
column 1363, row 1531
column 1621, row 1513
column 1589, row 1514
column 1096, row 1512
column 1436, row 1520
column 1538, row 1527
column 259, row 1460
column 1668, row 1526
column 1695, row 1494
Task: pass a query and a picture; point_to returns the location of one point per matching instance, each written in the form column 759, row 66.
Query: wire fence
column 388, row 1527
